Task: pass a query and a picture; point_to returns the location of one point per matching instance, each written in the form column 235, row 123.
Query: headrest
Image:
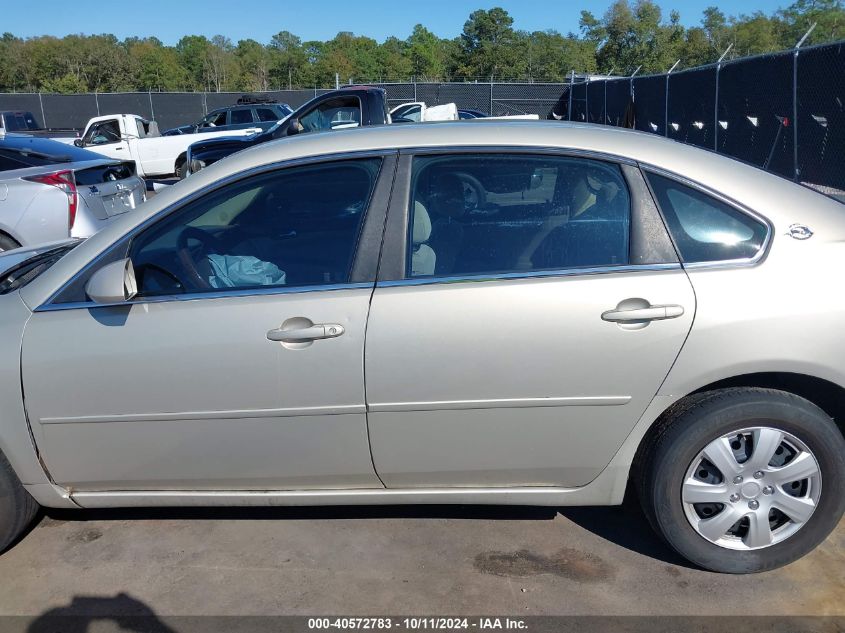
column 422, row 224
column 153, row 130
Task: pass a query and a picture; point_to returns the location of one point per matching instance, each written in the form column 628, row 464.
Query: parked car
column 134, row 137
column 619, row 308
column 418, row 111
column 51, row 191
column 25, row 122
column 348, row 107
column 463, row 113
column 239, row 117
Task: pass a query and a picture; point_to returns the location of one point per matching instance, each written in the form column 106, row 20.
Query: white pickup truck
column 129, row 136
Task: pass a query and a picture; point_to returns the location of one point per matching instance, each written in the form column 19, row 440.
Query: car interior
column 485, row 214
column 296, row 227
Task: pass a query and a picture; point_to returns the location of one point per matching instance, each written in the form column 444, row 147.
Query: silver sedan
column 481, row 312
column 51, row 190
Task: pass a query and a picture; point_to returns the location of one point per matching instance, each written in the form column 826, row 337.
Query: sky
column 169, row 20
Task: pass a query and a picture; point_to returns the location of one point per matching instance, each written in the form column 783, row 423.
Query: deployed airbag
column 229, row 271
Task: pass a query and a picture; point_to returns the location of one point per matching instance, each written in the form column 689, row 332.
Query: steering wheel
column 475, row 196
column 210, row 244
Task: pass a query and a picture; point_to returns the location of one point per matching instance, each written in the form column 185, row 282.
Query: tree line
column 631, row 34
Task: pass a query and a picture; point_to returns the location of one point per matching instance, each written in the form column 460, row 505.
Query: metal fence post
column 152, row 110
column 43, row 116
column 795, row 171
column 587, row 100
column 666, row 107
column 631, row 95
column 571, row 84
column 97, row 102
column 716, row 100
column 491, row 95
column 415, row 88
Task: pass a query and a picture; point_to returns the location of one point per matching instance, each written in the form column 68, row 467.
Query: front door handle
column 650, row 313
column 305, row 334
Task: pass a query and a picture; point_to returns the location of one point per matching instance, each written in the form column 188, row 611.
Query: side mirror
column 77, row 142
column 113, row 283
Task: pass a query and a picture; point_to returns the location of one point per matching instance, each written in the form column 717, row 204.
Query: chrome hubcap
column 751, row 488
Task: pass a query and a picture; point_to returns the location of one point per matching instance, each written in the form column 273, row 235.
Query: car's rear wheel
column 744, row 480
column 17, row 507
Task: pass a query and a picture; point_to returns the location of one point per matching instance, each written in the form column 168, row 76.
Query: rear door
column 528, row 308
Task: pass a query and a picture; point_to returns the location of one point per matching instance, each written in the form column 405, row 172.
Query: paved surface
column 363, row 561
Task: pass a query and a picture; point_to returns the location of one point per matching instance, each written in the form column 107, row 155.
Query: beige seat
column 423, row 257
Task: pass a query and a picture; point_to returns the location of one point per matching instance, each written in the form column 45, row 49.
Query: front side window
column 703, row 228
column 500, row 213
column 103, row 133
column 411, row 112
column 215, row 119
column 337, row 113
column 294, row 227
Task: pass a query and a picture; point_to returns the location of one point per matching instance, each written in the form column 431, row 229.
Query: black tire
column 7, row 243
column 182, row 169
column 693, row 424
column 17, row 507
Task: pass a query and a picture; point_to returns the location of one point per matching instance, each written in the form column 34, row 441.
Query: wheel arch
column 827, row 395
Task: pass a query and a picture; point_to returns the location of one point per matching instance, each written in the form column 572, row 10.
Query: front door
column 105, row 137
column 240, row 363
column 526, row 336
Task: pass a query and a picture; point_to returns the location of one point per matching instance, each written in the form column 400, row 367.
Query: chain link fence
column 172, row 109
column 784, row 112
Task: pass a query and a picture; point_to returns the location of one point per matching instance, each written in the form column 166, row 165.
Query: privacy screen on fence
column 751, row 109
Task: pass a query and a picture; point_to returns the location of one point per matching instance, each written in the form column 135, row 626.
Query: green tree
column 426, row 53
column 289, row 64
column 487, row 45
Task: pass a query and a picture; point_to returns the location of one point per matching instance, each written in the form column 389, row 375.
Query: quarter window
column 703, row 228
column 296, row 227
column 499, row 213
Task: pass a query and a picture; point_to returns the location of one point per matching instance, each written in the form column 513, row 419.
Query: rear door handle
column 302, row 335
column 651, row 313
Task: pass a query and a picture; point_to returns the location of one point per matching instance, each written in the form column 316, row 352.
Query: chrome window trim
column 533, row 274
column 218, row 184
column 200, row 296
column 519, row 149
column 734, row 204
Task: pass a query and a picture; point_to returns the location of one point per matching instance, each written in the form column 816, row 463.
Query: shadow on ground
column 624, row 526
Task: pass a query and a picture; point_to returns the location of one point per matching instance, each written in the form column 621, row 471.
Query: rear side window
column 266, row 114
column 501, row 213
column 8, row 164
column 703, row 228
column 241, row 116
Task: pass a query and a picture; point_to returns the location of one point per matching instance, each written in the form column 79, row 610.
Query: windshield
column 24, row 272
column 20, row 121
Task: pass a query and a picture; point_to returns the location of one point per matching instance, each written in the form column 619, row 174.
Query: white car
column 52, row 191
